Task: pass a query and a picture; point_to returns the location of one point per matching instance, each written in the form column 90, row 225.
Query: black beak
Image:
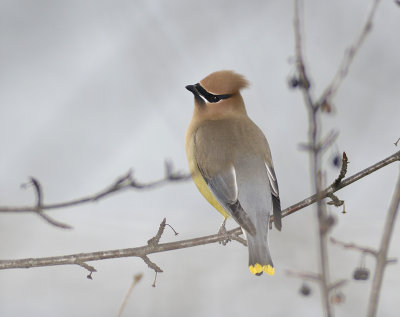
column 192, row 88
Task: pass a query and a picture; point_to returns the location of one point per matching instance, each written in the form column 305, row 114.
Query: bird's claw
column 222, row 232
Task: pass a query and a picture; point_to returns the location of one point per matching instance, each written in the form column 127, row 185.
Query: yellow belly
column 198, row 178
column 205, row 191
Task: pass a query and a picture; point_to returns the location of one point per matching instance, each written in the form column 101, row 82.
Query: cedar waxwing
column 231, row 162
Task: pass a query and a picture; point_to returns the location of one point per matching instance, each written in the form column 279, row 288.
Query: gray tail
column 259, row 256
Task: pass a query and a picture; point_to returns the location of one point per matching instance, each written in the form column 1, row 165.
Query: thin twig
column 156, row 239
column 304, row 275
column 153, row 242
column 382, row 259
column 239, row 239
column 88, row 267
column 155, row 279
column 345, row 182
column 315, row 278
column 38, row 209
column 151, row 264
column 335, row 200
column 353, row 246
column 350, row 245
column 136, row 280
column 348, row 57
column 304, row 82
column 337, row 284
column 326, row 142
column 172, row 228
column 343, row 170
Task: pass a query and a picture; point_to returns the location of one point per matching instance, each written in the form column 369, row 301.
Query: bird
column 231, row 164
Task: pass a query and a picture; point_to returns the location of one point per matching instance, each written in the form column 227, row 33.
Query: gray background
column 89, row 89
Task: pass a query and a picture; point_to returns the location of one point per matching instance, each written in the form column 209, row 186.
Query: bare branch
column 348, row 57
column 350, row 245
column 300, row 205
column 382, row 259
column 141, row 252
column 316, row 146
column 122, row 183
column 148, row 249
column 353, row 246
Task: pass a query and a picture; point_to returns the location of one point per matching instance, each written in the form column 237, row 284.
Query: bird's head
column 220, row 88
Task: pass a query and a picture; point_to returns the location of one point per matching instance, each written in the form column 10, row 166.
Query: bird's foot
column 223, row 233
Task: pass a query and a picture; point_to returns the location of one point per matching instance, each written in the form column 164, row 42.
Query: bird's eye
column 216, row 98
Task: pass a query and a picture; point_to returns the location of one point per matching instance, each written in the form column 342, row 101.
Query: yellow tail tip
column 258, row 268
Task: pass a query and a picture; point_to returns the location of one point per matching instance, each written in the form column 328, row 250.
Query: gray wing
column 276, row 202
column 225, row 189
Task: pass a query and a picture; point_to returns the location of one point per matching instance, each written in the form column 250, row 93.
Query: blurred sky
column 89, row 89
